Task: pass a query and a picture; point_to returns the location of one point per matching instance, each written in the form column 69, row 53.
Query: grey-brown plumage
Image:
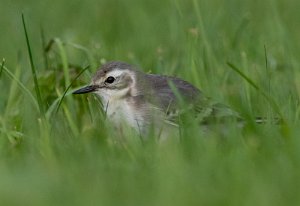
column 111, row 66
column 141, row 99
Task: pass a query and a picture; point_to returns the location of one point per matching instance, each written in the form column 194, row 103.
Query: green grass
column 57, row 149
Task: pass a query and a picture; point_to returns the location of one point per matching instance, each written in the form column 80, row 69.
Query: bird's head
column 112, row 81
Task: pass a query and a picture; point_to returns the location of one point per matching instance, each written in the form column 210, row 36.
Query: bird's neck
column 114, row 96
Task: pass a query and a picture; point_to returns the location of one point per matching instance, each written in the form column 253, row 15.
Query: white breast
column 120, row 111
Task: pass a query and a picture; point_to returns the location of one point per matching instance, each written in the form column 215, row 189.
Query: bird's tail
column 265, row 120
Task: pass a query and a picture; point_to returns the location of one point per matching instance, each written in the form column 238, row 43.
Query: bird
column 144, row 101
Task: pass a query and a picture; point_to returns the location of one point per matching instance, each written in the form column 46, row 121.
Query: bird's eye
column 110, row 80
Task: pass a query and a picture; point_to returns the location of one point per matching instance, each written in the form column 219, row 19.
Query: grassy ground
column 52, row 155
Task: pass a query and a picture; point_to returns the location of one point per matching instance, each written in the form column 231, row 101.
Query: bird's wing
column 194, row 102
column 166, row 96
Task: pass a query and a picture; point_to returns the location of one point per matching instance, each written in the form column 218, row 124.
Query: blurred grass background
column 66, row 158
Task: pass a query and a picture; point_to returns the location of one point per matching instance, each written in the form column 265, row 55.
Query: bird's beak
column 87, row 89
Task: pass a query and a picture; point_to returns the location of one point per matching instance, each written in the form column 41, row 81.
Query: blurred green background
column 66, row 157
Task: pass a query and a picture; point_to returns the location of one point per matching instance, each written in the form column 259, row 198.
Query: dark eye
column 110, row 80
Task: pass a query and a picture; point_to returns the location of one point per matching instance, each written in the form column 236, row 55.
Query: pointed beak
column 87, row 89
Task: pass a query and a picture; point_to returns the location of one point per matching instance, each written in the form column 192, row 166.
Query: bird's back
column 169, row 90
column 174, row 95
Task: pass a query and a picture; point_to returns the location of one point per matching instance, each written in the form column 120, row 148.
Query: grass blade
column 64, row 94
column 33, row 70
column 44, row 45
column 22, row 86
column 2, row 65
column 64, row 59
column 252, row 83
